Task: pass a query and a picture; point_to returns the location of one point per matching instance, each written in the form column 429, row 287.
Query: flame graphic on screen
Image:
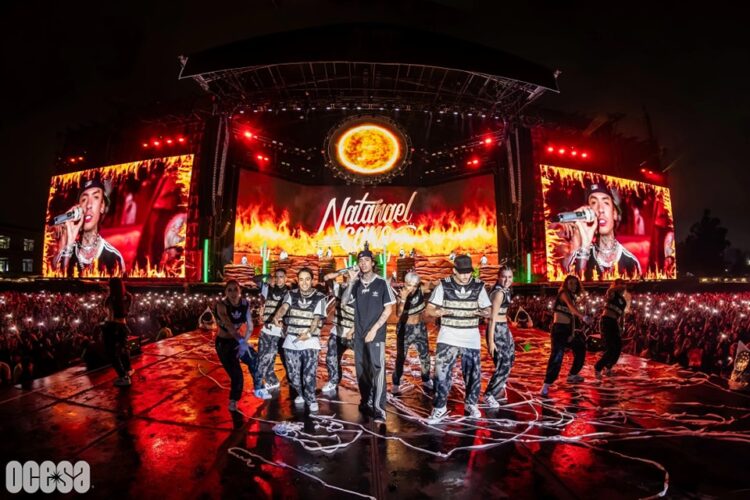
column 474, row 231
column 114, row 174
column 557, row 235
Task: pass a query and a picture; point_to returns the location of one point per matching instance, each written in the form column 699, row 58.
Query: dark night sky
column 67, row 64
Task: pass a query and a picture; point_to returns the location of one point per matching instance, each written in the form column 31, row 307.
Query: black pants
column 115, row 336
column 411, row 335
column 560, row 341
column 369, row 361
column 612, row 343
column 226, row 349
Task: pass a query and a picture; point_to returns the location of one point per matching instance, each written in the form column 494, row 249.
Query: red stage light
column 643, row 170
column 260, row 157
column 561, row 151
column 180, row 139
column 574, row 153
column 488, row 141
column 584, row 155
column 169, row 141
column 145, row 144
column 550, row 149
column 72, row 160
column 80, row 158
column 157, row 143
column 248, row 134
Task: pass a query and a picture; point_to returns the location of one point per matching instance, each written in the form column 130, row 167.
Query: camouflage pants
column 268, row 347
column 337, row 346
column 445, row 358
column 302, row 369
column 411, row 335
column 505, row 356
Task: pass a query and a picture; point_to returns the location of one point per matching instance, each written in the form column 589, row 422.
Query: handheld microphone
column 586, row 215
column 346, row 270
column 74, row 214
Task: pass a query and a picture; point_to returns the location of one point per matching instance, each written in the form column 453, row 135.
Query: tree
column 702, row 252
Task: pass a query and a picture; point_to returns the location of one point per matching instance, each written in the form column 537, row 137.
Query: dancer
column 499, row 339
column 411, row 331
column 115, row 330
column 373, row 301
column 459, row 301
column 340, row 336
column 270, row 340
column 563, row 336
column 618, row 303
column 302, row 312
column 232, row 346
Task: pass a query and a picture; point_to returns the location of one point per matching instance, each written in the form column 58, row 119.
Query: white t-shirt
column 459, row 337
column 312, row 342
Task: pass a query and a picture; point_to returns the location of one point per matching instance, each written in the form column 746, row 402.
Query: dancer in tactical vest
column 302, row 311
column 499, row 339
column 411, row 331
column 565, row 313
column 340, row 336
column 232, row 346
column 617, row 304
column 270, row 335
column 373, row 301
column 459, row 301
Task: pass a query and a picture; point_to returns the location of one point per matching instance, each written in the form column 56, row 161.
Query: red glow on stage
column 248, row 134
column 574, row 153
column 157, row 143
column 180, row 139
column 550, row 149
column 169, row 141
column 488, row 141
column 145, row 144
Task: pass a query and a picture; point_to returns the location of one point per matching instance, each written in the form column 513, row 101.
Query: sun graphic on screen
column 368, row 149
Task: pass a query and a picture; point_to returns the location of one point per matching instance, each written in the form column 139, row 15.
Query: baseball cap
column 462, row 264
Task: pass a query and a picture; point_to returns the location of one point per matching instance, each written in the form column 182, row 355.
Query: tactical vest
column 461, row 303
column 507, row 297
column 616, row 305
column 237, row 314
column 415, row 303
column 344, row 312
column 560, row 306
column 300, row 317
column 273, row 301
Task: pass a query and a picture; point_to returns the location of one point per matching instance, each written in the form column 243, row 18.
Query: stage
column 648, row 429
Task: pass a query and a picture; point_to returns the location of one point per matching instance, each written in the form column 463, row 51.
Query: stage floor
column 647, row 429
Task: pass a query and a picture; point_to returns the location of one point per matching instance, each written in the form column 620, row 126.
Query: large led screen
column 128, row 219
column 289, row 219
column 601, row 227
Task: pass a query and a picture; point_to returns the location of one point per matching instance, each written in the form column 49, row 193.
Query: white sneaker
column 122, row 381
column 262, row 394
column 379, row 419
column 299, row 400
column 437, row 415
column 429, row 385
column 314, row 408
column 329, row 387
column 232, row 405
column 574, row 379
column 472, row 411
column 270, row 387
column 490, row 401
column 395, row 389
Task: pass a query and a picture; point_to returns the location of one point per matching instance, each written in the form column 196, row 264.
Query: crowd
column 699, row 331
column 43, row 332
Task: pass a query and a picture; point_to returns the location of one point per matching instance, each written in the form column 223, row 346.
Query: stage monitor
column 128, row 219
column 601, row 227
column 279, row 220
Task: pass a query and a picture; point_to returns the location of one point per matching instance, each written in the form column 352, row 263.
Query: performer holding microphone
column 618, row 303
column 565, row 314
column 598, row 221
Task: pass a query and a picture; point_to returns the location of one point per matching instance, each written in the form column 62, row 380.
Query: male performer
column 607, row 254
column 270, row 340
column 373, row 301
column 617, row 304
column 340, row 336
column 302, row 311
column 411, row 330
column 500, row 343
column 91, row 251
column 459, row 301
column 232, row 346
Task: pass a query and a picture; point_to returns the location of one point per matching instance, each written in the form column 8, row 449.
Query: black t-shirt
column 627, row 266
column 368, row 302
column 108, row 263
